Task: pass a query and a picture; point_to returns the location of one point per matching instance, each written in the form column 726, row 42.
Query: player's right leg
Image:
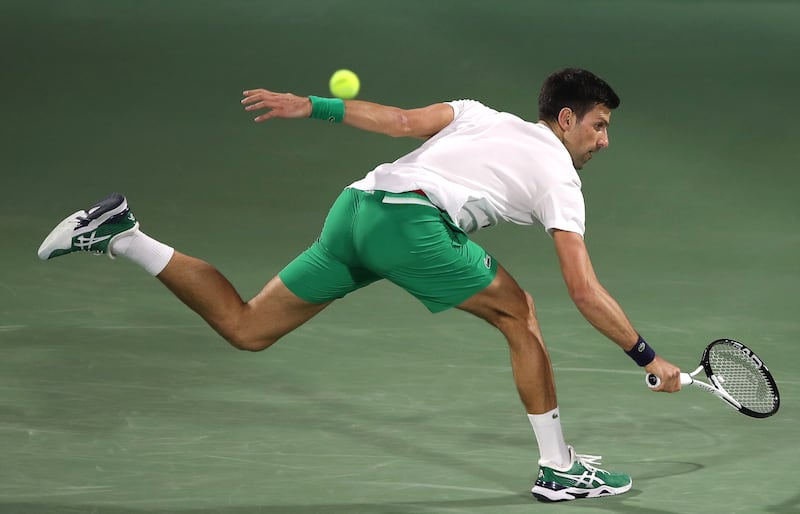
column 404, row 238
column 563, row 474
column 582, row 479
column 110, row 228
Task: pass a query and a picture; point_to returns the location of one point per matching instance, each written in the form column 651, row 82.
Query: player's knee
column 509, row 313
column 248, row 342
column 250, row 345
column 519, row 314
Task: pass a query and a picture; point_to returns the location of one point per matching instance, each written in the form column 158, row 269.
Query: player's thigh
column 318, row 276
column 328, row 269
column 275, row 311
column 417, row 248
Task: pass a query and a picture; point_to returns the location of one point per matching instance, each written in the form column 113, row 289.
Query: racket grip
column 653, row 381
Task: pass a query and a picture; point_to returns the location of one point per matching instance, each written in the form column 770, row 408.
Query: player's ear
column 566, row 118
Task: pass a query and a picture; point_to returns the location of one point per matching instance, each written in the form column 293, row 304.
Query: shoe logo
column 587, row 479
column 85, row 243
column 487, row 261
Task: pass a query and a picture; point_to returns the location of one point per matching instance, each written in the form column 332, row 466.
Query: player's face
column 588, row 135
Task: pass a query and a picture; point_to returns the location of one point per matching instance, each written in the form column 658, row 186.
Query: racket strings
column 742, row 378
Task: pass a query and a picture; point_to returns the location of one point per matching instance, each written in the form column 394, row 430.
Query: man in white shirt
column 407, row 222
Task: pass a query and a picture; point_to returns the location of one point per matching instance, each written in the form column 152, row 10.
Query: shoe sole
column 60, row 238
column 545, row 494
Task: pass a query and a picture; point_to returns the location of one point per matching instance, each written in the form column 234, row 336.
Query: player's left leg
column 110, row 228
column 254, row 325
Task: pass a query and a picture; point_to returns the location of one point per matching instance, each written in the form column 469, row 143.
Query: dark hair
column 578, row 89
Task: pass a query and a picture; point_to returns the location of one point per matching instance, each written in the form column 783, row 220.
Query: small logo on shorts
column 487, row 261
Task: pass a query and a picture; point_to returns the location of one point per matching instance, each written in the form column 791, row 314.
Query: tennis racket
column 736, row 375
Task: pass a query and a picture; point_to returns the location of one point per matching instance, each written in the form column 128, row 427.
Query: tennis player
column 408, row 222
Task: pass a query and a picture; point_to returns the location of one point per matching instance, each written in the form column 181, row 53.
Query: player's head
column 580, row 90
column 577, row 105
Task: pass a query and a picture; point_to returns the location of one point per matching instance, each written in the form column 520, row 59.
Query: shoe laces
column 590, row 462
column 81, row 221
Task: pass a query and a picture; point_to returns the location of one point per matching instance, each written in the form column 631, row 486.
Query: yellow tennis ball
column 344, row 84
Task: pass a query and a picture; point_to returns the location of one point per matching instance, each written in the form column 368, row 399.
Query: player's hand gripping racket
column 736, row 375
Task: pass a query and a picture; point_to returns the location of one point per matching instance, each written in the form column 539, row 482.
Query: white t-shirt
column 488, row 166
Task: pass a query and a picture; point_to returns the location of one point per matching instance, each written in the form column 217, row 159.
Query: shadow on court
column 606, row 504
column 615, row 504
column 344, row 508
column 791, row 505
column 496, row 504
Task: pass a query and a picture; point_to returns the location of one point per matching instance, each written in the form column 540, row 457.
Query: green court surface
column 115, row 399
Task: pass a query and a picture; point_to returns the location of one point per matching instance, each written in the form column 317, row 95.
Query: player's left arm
column 599, row 308
column 422, row 122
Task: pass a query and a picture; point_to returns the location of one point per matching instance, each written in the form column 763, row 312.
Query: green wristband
column 330, row 109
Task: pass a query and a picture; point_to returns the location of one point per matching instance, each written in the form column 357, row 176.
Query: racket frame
column 715, row 386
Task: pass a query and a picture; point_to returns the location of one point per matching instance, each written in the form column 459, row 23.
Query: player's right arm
column 423, row 122
column 599, row 307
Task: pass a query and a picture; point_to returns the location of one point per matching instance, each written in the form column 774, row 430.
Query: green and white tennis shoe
column 92, row 230
column 582, row 480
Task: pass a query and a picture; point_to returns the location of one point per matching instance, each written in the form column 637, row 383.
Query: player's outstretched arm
column 423, row 122
column 599, row 307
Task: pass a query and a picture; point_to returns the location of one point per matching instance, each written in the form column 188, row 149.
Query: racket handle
column 653, row 381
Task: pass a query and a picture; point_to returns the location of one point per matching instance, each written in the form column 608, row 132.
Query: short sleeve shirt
column 488, row 166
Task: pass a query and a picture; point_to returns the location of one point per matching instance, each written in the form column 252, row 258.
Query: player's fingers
column 258, row 105
column 674, row 377
column 671, row 384
column 264, row 117
column 256, row 95
column 250, row 99
column 664, row 387
column 666, row 383
column 251, row 92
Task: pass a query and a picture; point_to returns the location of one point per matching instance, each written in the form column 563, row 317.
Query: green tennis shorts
column 401, row 237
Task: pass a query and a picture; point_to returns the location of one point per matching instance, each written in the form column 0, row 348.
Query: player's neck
column 554, row 128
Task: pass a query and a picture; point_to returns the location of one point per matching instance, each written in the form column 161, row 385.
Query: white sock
column 553, row 451
column 145, row 251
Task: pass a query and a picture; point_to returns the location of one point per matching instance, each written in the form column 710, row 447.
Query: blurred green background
column 114, row 398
